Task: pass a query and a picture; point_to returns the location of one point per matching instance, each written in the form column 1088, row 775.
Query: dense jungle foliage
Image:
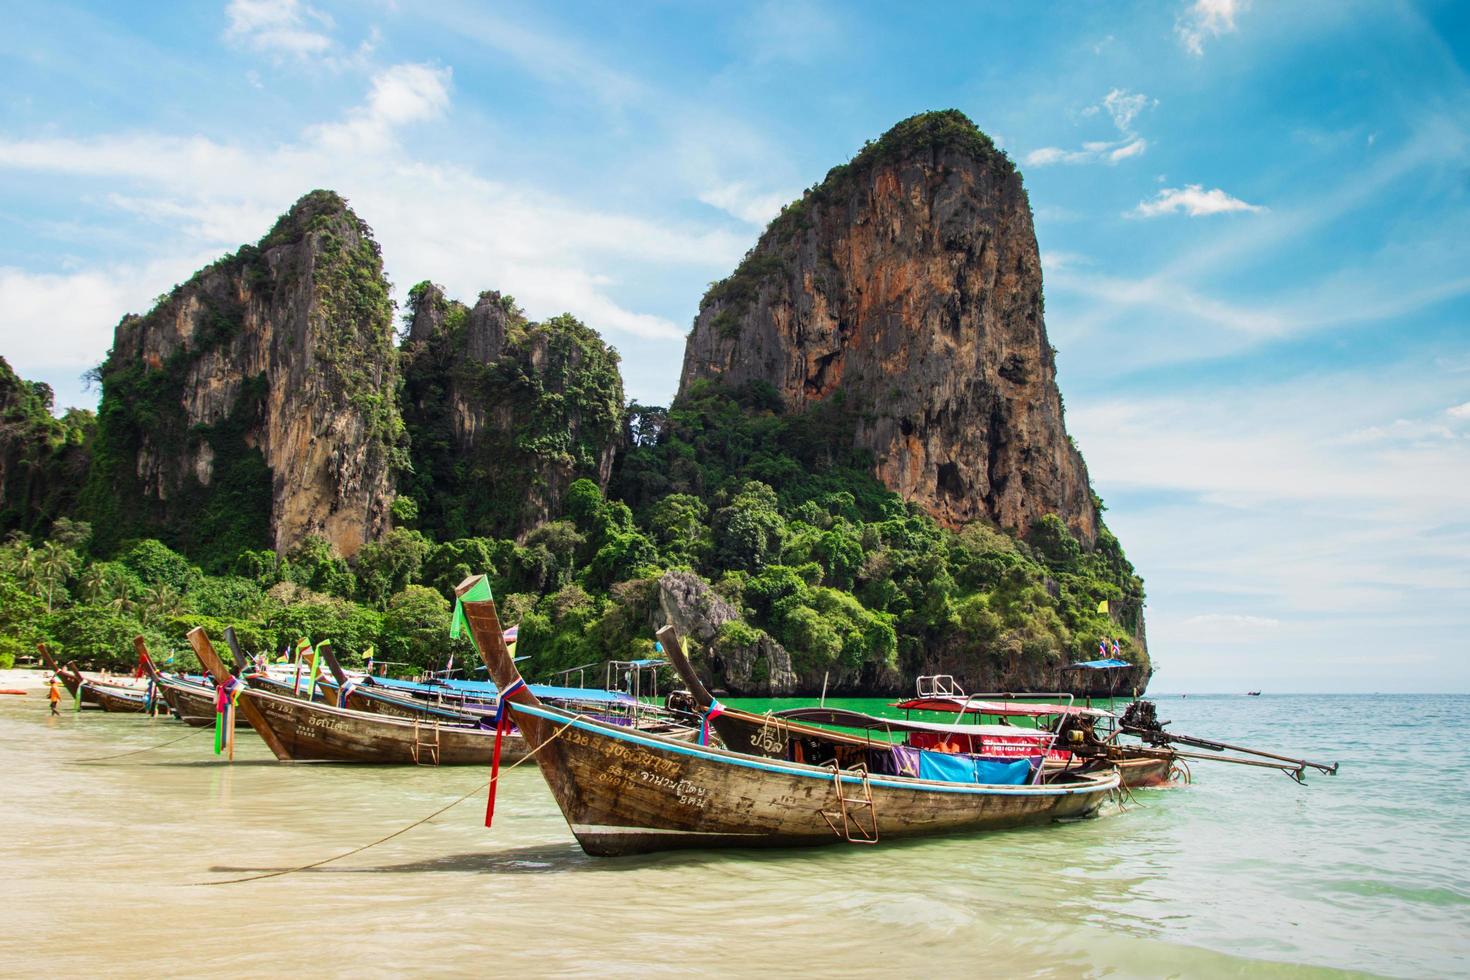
column 836, row 568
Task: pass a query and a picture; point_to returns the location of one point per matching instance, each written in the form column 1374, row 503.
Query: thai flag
column 510, row 634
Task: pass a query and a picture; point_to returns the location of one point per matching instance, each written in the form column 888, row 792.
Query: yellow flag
column 1102, row 607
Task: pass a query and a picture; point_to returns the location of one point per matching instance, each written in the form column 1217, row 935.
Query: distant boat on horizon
column 1252, row 694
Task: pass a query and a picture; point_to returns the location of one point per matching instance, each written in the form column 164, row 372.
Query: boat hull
column 311, row 730
column 1141, row 773
column 111, row 699
column 192, row 705
column 624, row 792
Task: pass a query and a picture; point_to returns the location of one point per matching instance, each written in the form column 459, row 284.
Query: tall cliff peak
column 256, row 404
column 909, row 281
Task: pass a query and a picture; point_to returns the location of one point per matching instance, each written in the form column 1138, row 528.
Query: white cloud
column 400, row 95
column 741, row 201
column 1193, row 200
column 63, row 321
column 1459, row 411
column 1122, row 107
column 1270, row 540
column 434, row 219
column 279, row 27
column 1207, row 19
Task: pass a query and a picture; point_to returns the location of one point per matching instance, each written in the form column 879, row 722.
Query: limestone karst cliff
column 256, row 404
column 503, row 414
column 43, row 459
column 909, row 281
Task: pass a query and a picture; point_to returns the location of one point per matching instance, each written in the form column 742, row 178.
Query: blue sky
column 1253, row 220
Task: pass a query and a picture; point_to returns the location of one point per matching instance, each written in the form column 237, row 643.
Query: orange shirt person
column 55, row 695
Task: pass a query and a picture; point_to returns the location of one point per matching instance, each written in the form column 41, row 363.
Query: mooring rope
column 107, row 758
column 401, row 830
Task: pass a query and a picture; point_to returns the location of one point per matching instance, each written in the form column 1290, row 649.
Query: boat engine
column 1141, row 718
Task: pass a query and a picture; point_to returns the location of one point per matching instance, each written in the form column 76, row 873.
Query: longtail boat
column 72, row 682
column 1075, row 728
column 782, row 733
column 192, row 702
column 476, row 702
column 124, row 699
column 627, row 792
column 300, row 730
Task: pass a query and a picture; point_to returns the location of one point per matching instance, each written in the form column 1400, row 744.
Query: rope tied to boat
column 495, row 778
column 108, row 758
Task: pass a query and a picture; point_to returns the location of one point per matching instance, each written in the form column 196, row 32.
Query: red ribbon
column 502, row 725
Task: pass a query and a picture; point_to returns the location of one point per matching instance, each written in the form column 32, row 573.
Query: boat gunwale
column 1095, row 783
column 353, row 714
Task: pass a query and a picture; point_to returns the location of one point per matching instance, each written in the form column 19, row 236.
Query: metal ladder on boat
column 852, row 829
column 422, row 746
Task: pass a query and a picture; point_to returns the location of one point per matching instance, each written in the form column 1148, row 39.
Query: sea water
column 114, row 866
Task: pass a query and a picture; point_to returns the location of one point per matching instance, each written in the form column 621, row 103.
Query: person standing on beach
column 55, row 695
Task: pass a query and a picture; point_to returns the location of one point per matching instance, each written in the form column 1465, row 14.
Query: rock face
column 910, row 282
column 747, row 662
column 256, row 405
column 503, row 414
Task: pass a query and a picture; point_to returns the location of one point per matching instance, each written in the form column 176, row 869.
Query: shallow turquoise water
column 1243, row 872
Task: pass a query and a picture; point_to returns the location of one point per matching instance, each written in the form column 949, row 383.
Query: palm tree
column 54, row 566
column 161, row 600
column 25, row 564
column 120, row 598
column 95, row 581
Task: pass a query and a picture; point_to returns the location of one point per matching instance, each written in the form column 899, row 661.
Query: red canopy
column 1027, row 709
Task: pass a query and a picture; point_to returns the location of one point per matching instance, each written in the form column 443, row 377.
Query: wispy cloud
column 1252, row 512
column 1193, row 200
column 283, row 27
column 1120, row 106
column 401, row 94
column 1206, row 19
column 746, row 203
column 434, row 219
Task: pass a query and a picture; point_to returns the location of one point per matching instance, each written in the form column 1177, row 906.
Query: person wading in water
column 55, row 695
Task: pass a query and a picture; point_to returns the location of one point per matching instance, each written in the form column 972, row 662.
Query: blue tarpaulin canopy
column 1103, row 664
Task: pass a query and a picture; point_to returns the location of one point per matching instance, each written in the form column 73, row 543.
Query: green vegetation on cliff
column 43, row 459
column 503, row 414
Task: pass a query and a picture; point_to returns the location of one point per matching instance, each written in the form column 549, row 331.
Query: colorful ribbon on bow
column 714, row 711
column 226, row 696
column 316, row 658
column 502, row 725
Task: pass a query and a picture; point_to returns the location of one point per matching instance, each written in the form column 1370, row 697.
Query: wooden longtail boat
column 301, row 730
column 73, row 682
column 626, row 792
column 782, row 735
column 1076, row 727
column 110, row 697
column 190, row 701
